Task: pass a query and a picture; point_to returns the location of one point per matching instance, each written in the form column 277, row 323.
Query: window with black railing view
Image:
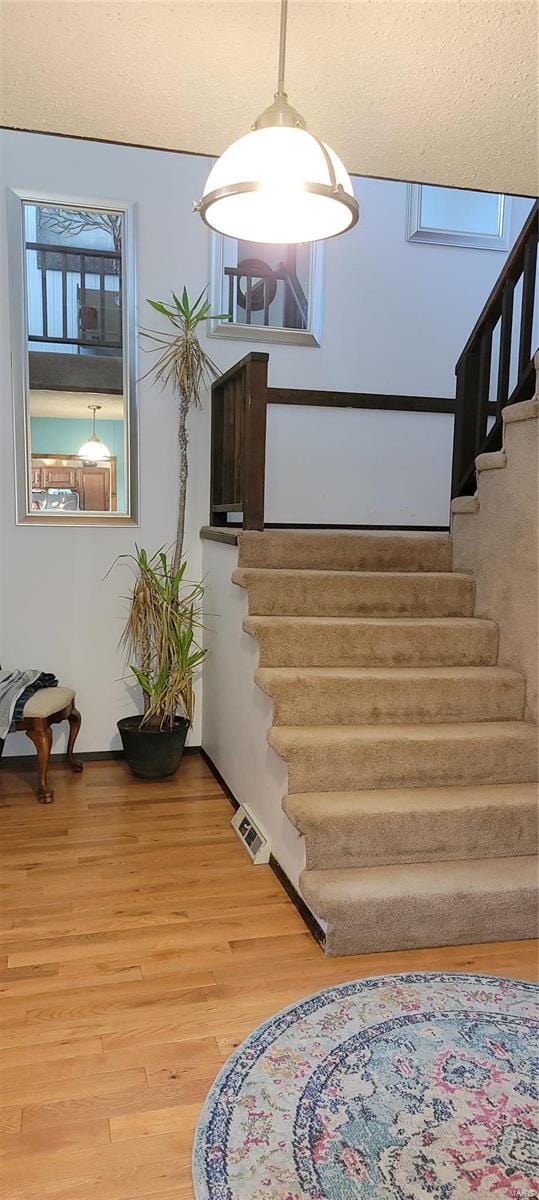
column 269, row 292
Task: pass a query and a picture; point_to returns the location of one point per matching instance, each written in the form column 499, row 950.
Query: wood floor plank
column 84, row 1003
column 160, row 1120
column 120, row 1171
column 47, row 1051
column 24, row 1144
column 54, row 1114
column 58, row 1090
column 47, row 983
column 138, row 948
column 25, row 1081
column 10, row 1118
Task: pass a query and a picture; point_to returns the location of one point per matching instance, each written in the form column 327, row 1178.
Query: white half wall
column 387, row 468
column 237, row 713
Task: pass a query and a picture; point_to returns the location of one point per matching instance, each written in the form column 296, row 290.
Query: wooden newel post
column 217, row 511
column 254, row 440
column 465, row 430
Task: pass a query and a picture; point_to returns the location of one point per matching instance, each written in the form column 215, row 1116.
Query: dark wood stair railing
column 474, row 367
column 238, row 433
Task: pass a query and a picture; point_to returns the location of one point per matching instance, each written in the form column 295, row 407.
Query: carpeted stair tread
column 326, row 757
column 339, row 550
column 352, row 695
column 373, row 641
column 356, row 593
column 404, row 825
column 371, row 909
column 414, row 790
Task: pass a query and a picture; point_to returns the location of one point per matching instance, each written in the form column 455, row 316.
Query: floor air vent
column 249, row 832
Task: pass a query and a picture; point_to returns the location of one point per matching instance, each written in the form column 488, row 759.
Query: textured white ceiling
column 437, row 90
column 44, row 403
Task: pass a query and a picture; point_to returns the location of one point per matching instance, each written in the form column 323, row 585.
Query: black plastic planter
column 153, row 753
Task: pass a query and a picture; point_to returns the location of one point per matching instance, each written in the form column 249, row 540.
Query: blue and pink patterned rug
column 405, row 1087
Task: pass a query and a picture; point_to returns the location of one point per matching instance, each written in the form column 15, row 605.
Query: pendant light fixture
column 279, row 183
column 94, row 450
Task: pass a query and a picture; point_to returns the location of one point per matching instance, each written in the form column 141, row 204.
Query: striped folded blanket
column 16, row 687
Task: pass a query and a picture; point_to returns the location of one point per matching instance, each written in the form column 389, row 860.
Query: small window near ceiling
column 266, row 293
column 456, row 217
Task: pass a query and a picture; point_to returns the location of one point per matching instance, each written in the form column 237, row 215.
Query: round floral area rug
column 405, row 1087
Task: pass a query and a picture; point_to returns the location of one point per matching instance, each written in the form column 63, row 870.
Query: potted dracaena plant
column 164, row 620
column 183, row 363
column 161, row 637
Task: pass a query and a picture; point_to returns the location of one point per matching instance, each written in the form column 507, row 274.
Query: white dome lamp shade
column 94, row 450
column 279, row 183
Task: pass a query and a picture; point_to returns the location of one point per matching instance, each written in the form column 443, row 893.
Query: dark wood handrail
column 312, row 397
column 512, row 270
column 474, row 366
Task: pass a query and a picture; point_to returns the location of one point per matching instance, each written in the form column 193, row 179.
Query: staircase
column 410, row 767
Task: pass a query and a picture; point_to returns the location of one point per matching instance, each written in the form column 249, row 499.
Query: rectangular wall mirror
column 74, row 360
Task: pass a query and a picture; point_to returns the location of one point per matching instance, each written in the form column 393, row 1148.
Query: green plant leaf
column 199, row 298
column 141, row 678
column 159, row 307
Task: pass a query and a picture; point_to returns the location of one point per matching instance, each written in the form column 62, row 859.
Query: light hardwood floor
column 138, row 947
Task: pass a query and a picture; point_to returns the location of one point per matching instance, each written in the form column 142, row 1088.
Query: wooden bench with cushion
column 45, row 708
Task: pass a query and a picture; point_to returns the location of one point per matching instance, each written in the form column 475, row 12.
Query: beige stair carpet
column 353, row 594
column 384, row 695
column 425, row 904
column 411, row 772
column 323, row 757
column 373, row 641
column 399, row 825
column 342, row 551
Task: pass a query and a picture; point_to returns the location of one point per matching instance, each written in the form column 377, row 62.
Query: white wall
column 59, row 612
column 395, row 317
column 385, row 468
column 396, row 313
column 237, row 713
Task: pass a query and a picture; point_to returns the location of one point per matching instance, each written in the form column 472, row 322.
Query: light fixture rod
column 271, row 185
column 94, row 408
column 282, row 48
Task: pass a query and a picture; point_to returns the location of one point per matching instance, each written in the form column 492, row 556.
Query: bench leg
column 41, row 736
column 74, row 719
